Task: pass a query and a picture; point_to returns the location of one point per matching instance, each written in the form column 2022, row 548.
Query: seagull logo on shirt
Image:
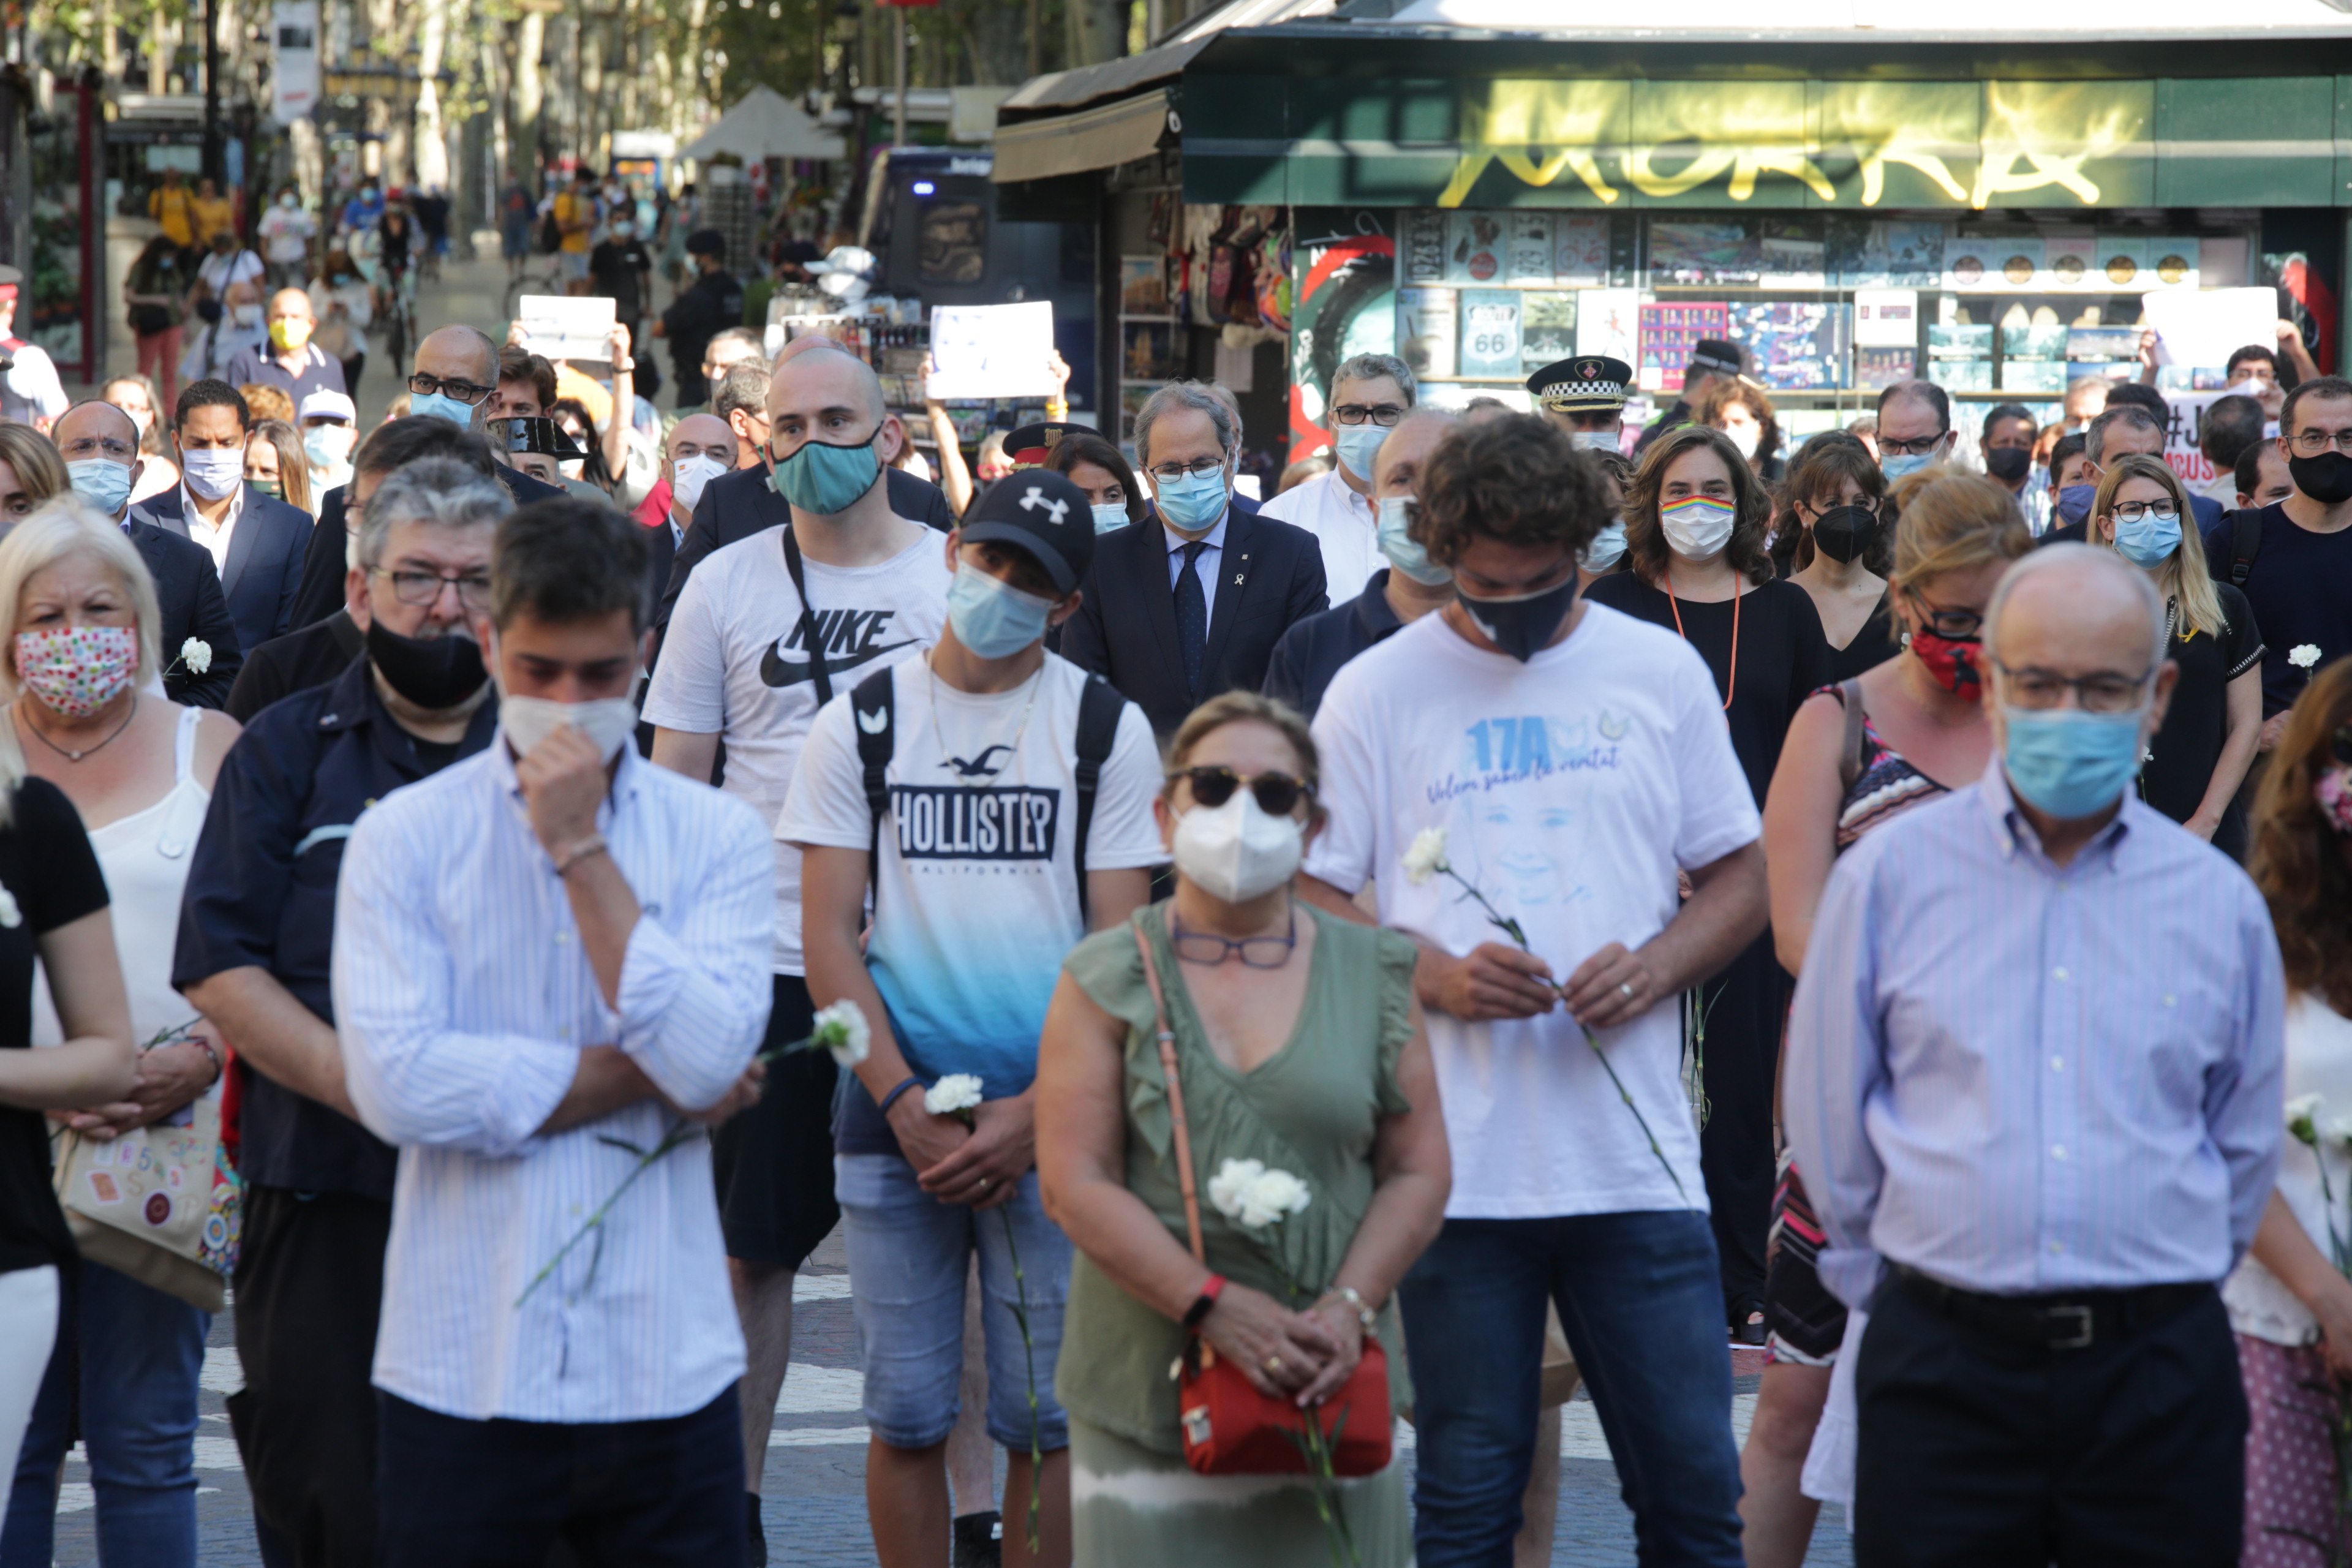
column 978, row 767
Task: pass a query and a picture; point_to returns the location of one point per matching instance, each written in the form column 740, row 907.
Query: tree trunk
column 1095, row 30
column 529, row 99
column 432, row 154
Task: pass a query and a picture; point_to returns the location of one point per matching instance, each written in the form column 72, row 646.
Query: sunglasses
column 1278, row 793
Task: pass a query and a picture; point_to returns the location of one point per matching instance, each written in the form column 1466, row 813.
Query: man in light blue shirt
column 2033, row 1083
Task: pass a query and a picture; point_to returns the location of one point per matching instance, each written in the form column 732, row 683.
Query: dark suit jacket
column 326, row 565
column 1270, row 577
column 188, row 591
column 265, row 560
column 740, row 504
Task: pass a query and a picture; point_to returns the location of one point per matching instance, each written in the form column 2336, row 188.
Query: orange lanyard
column 1731, row 684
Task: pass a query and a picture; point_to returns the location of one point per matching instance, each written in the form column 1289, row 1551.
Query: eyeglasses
column 1278, row 793
column 1953, row 626
column 1173, row 472
column 1254, row 951
column 1915, row 448
column 420, row 589
column 2133, row 511
column 2106, row 692
column 1384, row 415
column 113, row 446
column 2311, row 442
column 464, row 392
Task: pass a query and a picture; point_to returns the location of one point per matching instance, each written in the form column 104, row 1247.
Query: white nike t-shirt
column 735, row 665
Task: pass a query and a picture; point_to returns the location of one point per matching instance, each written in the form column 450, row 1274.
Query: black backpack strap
column 2245, row 543
column 1100, row 709
column 871, row 705
column 811, row 634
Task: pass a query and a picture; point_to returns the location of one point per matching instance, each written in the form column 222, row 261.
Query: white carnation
column 843, row 1030
column 2303, row 655
column 197, row 655
column 1247, row 1192
column 959, row 1091
column 1426, row 858
column 2303, row 1107
column 10, row 915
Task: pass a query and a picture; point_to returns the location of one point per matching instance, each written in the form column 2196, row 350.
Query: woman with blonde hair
column 78, row 663
column 1861, row 754
column 30, row 472
column 1296, row 1042
column 275, row 464
column 2201, row 755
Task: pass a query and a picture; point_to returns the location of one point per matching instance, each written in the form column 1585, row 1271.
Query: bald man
column 290, row 360
column 740, row 504
column 187, row 585
column 747, row 662
column 2033, row 1081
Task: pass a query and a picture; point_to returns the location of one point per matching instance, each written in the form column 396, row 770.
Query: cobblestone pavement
column 815, row 1498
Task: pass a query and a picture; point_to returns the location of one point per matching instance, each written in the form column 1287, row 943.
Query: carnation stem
column 681, row 1133
column 1029, row 1354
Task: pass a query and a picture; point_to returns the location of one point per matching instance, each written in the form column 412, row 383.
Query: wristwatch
column 1198, row 1312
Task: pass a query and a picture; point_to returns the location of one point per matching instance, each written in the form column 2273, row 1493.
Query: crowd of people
column 1534, row 904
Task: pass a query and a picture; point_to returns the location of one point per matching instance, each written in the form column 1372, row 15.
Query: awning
column 764, row 124
column 1098, row 138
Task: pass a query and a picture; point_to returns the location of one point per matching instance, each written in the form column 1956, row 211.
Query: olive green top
column 1311, row 1108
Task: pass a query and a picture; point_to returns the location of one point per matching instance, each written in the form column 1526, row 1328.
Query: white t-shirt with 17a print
column 1571, row 788
column 736, row 664
column 976, row 899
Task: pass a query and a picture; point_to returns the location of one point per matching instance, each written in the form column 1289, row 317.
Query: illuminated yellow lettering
column 1793, row 162
column 1709, row 162
column 1874, row 172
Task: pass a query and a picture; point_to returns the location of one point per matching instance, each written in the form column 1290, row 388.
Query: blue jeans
column 1640, row 1299
column 141, row 1353
column 908, row 1257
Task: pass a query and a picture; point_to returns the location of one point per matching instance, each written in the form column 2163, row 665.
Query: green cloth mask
column 824, row 479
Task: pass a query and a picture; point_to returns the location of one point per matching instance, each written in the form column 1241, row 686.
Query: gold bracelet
column 593, row 845
column 1364, row 1315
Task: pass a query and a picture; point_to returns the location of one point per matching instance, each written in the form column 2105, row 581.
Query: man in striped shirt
column 549, row 957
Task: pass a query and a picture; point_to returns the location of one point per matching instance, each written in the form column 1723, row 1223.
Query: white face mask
column 1593, row 440
column 327, row 445
column 689, row 476
column 1746, row 437
column 609, row 722
column 1699, row 527
column 1237, row 852
column 247, row 315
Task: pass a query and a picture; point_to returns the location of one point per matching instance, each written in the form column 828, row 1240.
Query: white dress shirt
column 1344, row 523
column 214, row 540
column 1209, row 559
column 463, row 996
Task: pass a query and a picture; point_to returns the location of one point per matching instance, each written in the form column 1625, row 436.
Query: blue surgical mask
column 1608, row 547
column 825, row 479
column 440, row 406
column 1399, row 546
column 2075, row 502
column 1359, row 444
column 2147, row 541
column 991, row 617
column 1194, row 503
column 102, row 482
column 1903, row 463
column 2068, row 763
column 1110, row 515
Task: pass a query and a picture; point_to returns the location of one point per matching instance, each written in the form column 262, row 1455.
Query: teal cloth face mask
column 824, row 479
column 990, row 617
column 2071, row 764
column 1403, row 554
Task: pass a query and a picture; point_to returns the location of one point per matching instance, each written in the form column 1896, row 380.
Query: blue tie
column 1192, row 615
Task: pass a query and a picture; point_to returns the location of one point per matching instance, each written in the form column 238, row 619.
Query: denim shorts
column 909, row 1259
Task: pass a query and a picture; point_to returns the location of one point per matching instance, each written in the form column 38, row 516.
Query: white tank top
column 145, row 857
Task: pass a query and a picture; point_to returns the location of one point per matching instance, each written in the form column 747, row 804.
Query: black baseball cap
column 1715, row 355
column 707, row 242
column 1041, row 513
column 542, row 436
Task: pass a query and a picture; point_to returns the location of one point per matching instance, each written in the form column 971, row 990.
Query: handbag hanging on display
column 1229, row 1428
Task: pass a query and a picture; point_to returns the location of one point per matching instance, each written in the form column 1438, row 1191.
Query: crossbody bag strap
column 1175, row 1099
column 819, row 676
column 1850, row 755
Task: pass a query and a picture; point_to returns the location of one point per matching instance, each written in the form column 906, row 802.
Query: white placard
column 567, row 328
column 1607, row 321
column 1886, row 317
column 294, row 81
column 2204, row 329
column 992, row 350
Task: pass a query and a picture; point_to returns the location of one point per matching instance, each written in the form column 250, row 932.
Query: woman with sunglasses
column 2201, row 756
column 1298, row 1044
column 2289, row 1301
column 1861, row 754
column 1834, row 538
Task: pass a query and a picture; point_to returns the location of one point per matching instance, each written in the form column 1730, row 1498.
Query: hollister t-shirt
column 736, row 664
column 1571, row 789
column 976, row 899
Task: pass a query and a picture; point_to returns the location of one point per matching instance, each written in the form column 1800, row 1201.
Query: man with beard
column 256, row 933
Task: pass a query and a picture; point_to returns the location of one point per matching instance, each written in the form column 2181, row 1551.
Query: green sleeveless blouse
column 1311, row 1110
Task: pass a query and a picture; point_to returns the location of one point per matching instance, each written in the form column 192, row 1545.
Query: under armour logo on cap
column 1037, row 498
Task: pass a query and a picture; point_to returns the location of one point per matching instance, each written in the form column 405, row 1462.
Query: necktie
column 1191, row 615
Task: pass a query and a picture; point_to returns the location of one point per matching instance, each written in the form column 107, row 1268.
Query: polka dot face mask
column 76, row 669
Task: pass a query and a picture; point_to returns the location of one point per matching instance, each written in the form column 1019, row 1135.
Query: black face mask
column 1844, row 532
column 1522, row 627
column 2326, row 478
column 2009, row 464
column 434, row 673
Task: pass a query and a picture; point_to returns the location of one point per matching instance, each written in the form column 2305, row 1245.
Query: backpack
column 2245, row 543
column 550, row 233
column 873, row 701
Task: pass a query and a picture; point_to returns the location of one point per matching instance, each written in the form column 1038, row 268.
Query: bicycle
column 541, row 275
column 399, row 318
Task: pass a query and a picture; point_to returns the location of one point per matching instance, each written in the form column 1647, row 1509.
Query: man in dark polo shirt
column 255, row 931
column 1409, row 587
column 290, row 360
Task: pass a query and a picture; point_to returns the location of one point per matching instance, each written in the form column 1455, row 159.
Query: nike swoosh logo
column 777, row 670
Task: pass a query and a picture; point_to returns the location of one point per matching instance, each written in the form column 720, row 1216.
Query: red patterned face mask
column 1952, row 661
column 2334, row 790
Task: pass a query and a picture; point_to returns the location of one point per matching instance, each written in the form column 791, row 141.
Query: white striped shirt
column 463, row 997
